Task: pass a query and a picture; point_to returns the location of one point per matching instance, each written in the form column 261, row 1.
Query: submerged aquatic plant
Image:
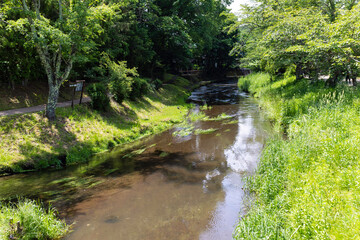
column 184, row 132
column 220, row 117
column 205, row 131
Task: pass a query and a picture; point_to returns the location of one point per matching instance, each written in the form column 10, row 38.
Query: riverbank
column 30, row 142
column 30, row 220
column 306, row 186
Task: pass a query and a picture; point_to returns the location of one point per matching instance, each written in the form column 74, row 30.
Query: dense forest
column 56, row 41
column 131, row 54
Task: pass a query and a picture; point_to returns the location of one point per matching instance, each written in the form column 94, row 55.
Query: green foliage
column 306, row 185
column 284, row 97
column 35, row 221
column 99, row 98
column 120, row 79
column 152, row 36
column 316, row 39
column 254, row 82
column 156, row 83
column 139, row 88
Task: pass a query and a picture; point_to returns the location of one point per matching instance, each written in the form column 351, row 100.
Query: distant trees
column 70, row 36
column 311, row 37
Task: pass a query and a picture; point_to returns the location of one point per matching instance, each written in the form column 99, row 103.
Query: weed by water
column 230, row 122
column 220, row 117
column 307, row 186
column 184, row 132
column 205, row 107
column 196, row 116
column 29, row 220
column 205, row 131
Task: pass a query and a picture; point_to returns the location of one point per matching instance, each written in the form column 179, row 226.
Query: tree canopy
column 60, row 40
column 312, row 38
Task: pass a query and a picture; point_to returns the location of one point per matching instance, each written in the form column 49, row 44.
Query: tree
column 62, row 38
column 314, row 37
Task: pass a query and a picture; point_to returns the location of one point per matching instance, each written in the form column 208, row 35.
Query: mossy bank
column 31, row 142
column 307, row 185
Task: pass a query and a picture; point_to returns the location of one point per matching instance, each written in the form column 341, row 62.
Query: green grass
column 35, row 222
column 307, row 186
column 30, row 141
column 284, row 99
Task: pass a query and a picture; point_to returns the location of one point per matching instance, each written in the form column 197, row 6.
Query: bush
column 139, row 88
column 99, row 97
column 120, row 78
column 156, row 83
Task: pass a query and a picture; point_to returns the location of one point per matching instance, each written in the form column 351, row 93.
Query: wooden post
column 82, row 91
column 72, row 100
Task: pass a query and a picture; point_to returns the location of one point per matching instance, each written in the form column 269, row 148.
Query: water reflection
column 162, row 187
column 241, row 157
column 227, row 212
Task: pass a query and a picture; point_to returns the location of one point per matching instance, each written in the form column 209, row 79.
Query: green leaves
column 320, row 38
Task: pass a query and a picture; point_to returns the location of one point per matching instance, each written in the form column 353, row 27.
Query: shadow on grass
column 43, row 144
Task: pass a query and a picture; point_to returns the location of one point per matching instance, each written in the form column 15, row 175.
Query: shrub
column 120, row 78
column 139, row 88
column 98, row 95
column 156, row 83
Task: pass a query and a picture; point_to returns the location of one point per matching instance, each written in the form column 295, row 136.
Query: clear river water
column 167, row 186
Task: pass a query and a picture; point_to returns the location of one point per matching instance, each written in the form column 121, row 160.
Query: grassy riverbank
column 30, row 141
column 308, row 185
column 28, row 220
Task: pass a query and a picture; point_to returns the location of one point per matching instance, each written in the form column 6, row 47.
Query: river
column 179, row 184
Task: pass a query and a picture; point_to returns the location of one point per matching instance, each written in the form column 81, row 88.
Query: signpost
column 78, row 87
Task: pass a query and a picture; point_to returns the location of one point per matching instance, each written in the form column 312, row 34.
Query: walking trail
column 40, row 107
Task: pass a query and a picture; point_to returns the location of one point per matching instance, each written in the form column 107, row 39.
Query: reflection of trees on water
column 244, row 154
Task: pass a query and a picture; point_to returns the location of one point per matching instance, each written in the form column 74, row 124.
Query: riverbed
column 185, row 183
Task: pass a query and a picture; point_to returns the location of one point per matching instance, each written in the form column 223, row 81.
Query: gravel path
column 40, row 107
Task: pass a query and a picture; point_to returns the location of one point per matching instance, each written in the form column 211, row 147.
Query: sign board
column 79, row 86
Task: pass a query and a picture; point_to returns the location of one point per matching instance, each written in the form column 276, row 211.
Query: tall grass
column 34, row 222
column 308, row 186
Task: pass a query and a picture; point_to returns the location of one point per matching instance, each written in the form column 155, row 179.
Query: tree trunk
column 12, row 84
column 52, row 101
column 298, row 72
column 354, row 81
column 25, row 82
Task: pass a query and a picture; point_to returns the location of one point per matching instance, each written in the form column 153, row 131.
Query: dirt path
column 40, row 107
